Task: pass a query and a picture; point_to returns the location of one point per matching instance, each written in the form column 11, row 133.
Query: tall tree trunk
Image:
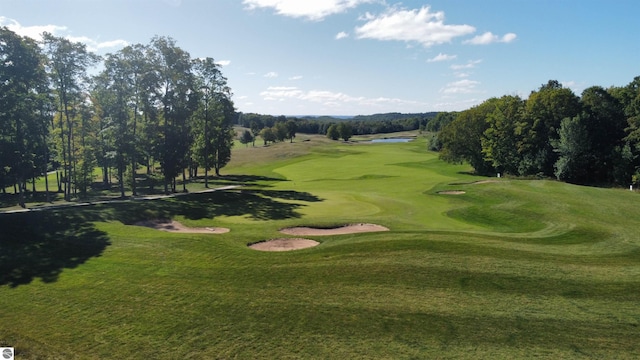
column 121, row 177
column 134, row 163
column 68, row 167
column 46, row 174
column 184, row 180
column 21, row 194
column 105, row 175
column 64, row 155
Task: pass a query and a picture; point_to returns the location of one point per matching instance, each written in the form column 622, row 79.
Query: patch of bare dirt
column 347, row 229
column 176, row 227
column 284, row 244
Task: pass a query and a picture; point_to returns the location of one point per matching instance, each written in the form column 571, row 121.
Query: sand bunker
column 484, row 182
column 347, row 229
column 284, row 244
column 451, row 192
column 176, row 227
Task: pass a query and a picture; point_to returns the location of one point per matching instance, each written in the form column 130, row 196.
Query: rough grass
column 510, row 269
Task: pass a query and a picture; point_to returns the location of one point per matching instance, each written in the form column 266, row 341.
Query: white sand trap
column 176, row 227
column 347, row 229
column 451, row 192
column 284, row 244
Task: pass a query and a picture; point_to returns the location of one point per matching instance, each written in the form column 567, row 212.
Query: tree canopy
column 149, row 104
column 590, row 139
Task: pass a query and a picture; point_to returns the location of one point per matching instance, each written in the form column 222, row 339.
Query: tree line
column 149, row 104
column 279, row 128
column 589, row 139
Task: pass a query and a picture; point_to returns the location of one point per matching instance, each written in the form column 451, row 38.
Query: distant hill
column 375, row 117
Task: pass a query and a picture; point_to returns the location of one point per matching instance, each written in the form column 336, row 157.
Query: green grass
column 510, row 269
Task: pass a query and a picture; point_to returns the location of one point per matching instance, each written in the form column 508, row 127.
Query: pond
column 391, row 140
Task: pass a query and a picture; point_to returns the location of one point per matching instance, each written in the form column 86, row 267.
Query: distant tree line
column 359, row 125
column 149, row 104
column 589, row 139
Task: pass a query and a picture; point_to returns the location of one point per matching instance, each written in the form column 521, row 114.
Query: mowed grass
column 509, row 269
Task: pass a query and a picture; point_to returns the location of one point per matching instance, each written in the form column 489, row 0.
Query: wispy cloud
column 330, row 98
column 442, row 57
column 271, row 74
column 464, row 86
column 223, row 62
column 35, row 32
column 456, row 105
column 315, row 10
column 279, row 93
column 418, row 25
column 341, row 35
column 297, row 77
column 469, row 65
column 95, row 46
column 490, row 38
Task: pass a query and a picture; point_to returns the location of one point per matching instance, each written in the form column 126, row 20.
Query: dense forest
column 589, row 139
column 148, row 104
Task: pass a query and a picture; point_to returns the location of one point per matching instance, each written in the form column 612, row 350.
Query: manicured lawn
column 509, row 269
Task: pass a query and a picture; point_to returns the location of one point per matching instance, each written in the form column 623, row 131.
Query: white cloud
column 490, row 38
column 223, row 62
column 95, row 46
column 464, row 86
column 271, row 74
column 35, row 32
column 418, row 25
column 297, row 77
column 312, row 10
column 469, row 65
column 330, row 98
column 442, row 57
column 341, row 35
column 575, row 86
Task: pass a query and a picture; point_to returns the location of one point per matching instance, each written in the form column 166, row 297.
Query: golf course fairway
column 470, row 268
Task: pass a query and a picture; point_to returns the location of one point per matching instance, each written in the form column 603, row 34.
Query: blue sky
column 350, row 57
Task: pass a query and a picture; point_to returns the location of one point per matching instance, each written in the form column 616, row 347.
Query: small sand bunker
column 451, row 192
column 284, row 244
column 347, row 229
column 176, row 227
column 484, row 182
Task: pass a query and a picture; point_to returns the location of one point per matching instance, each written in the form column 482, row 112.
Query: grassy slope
column 509, row 269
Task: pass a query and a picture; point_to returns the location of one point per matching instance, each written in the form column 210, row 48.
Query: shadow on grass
column 9, row 199
column 41, row 245
column 255, row 204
